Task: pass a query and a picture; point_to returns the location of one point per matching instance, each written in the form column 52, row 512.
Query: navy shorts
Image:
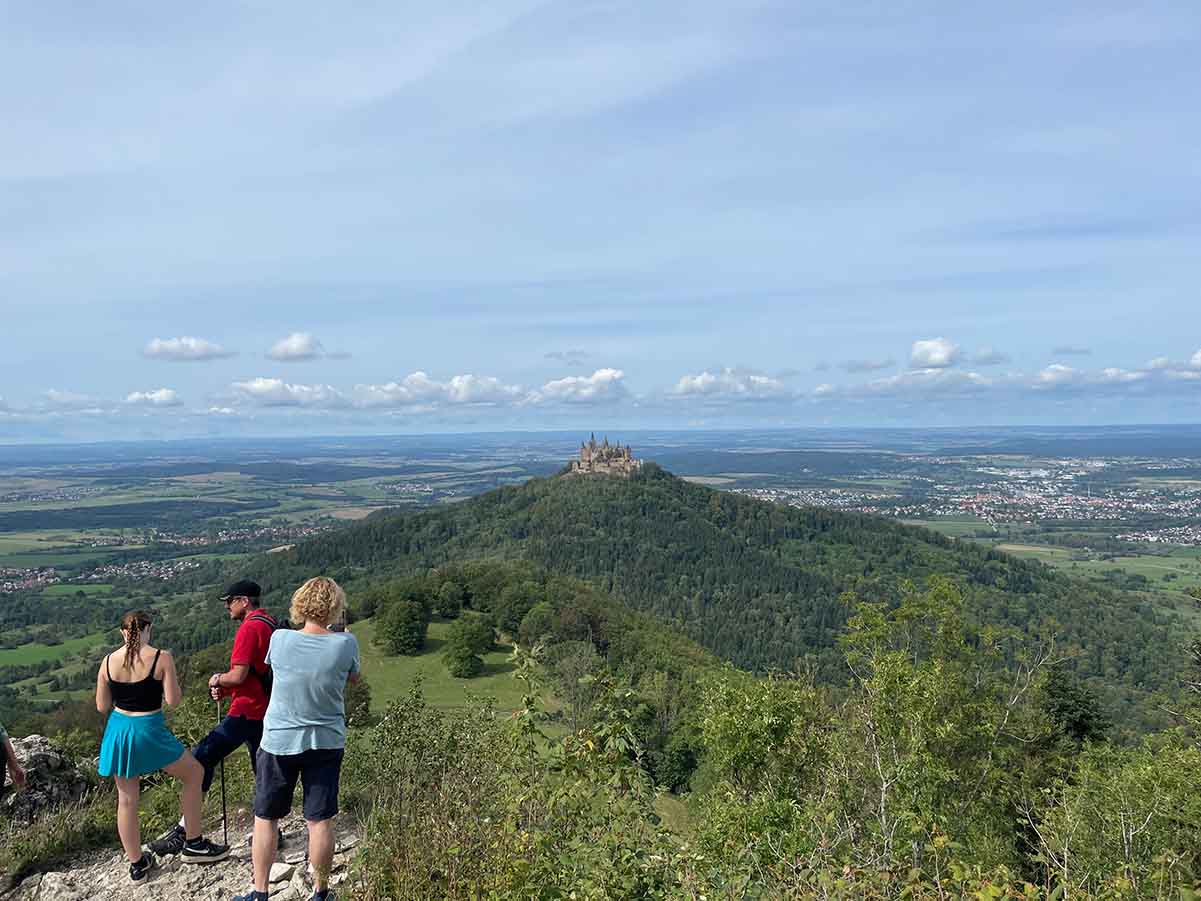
column 275, row 782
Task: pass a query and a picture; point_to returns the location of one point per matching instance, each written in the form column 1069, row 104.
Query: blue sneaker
column 251, row 896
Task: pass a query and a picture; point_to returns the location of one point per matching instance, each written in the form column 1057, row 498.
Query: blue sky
column 284, row 218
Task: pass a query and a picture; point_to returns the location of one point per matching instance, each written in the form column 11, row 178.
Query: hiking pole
column 224, row 814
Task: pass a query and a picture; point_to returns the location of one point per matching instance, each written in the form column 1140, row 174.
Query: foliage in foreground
column 943, row 773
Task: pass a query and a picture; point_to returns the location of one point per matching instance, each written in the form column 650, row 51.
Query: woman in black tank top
column 133, row 682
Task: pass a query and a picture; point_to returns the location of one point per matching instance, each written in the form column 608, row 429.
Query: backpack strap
column 154, row 664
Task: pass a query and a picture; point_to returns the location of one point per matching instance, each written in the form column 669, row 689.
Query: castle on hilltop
column 605, row 459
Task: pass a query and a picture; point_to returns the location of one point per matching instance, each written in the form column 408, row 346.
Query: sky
column 298, row 218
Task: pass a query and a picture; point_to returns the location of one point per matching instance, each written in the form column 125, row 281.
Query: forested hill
column 757, row 583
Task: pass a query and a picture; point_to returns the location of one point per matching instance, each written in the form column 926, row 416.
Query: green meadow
column 390, row 677
column 37, row 652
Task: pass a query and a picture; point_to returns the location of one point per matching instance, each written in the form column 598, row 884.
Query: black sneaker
column 170, row 842
column 201, row 850
column 139, row 871
column 327, row 895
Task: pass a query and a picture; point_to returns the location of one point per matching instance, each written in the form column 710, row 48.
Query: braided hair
column 132, row 624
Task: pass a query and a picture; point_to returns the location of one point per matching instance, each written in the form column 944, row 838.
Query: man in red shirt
column 244, row 683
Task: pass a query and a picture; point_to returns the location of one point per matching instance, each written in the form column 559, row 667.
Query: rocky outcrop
column 51, row 780
column 106, row 875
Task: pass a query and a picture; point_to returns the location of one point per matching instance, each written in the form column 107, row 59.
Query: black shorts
column 275, row 783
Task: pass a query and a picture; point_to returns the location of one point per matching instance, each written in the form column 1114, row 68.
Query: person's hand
column 215, row 693
column 17, row 774
column 215, row 680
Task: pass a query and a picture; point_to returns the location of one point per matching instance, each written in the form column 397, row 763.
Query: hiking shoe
column 201, row 850
column 251, row 896
column 327, row 895
column 139, row 870
column 170, row 842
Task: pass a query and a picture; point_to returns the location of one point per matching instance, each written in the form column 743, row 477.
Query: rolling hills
column 758, row 584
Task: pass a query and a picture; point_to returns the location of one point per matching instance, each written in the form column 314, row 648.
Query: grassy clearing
column 1184, row 564
column 954, row 528
column 36, row 653
column 58, row 591
column 391, row 677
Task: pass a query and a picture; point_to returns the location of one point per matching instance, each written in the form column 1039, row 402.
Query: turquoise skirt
column 137, row 745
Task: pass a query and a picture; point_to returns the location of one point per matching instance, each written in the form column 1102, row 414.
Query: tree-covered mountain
column 759, row 584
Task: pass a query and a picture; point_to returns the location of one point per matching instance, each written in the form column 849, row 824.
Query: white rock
column 281, row 871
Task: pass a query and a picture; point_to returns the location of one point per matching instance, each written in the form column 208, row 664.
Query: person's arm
column 14, row 765
column 232, row 678
column 355, row 673
column 171, row 691
column 104, row 694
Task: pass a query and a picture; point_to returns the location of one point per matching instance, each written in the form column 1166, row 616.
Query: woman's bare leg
column 128, row 794
column 189, row 771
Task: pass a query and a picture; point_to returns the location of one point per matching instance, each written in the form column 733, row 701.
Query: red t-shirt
column 250, row 649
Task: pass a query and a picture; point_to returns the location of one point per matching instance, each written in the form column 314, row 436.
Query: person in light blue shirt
column 304, row 732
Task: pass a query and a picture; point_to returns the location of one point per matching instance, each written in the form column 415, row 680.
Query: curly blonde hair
column 319, row 600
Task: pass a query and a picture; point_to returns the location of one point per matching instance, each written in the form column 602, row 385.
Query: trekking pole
column 224, row 814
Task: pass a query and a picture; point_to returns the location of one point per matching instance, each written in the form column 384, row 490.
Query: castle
column 605, row 459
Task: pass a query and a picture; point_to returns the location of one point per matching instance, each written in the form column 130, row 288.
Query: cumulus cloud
column 278, row 393
column 185, row 349
column 1160, row 363
column 927, row 382
column 603, row 386
column 990, row 356
column 1195, row 362
column 419, row 390
column 1071, row 350
column 934, row 353
column 296, row 348
column 570, row 357
column 855, row 366
column 221, row 411
column 731, row 384
column 160, row 397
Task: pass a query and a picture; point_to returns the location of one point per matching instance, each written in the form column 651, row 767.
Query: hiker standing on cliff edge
column 246, row 682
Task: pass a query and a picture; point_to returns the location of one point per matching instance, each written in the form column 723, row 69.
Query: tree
column 449, row 601
column 461, row 662
column 402, row 627
column 537, row 623
column 471, row 632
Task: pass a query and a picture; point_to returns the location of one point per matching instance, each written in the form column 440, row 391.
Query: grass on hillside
column 68, row 589
column 1183, row 563
column 390, row 677
column 36, row 652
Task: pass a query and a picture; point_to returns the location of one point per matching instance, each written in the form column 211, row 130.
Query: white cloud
column 731, row 384
column 185, row 349
column 990, row 356
column 1195, row 362
column 1162, row 363
column 604, row 385
column 934, row 353
column 1072, row 350
column 929, row 382
column 1056, row 375
column 160, row 397
column 419, row 390
column 278, row 393
column 68, row 399
column 221, row 411
column 296, row 348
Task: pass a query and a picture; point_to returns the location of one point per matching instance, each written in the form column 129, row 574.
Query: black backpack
column 266, row 679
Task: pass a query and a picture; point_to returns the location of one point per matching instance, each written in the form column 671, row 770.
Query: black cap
column 242, row 588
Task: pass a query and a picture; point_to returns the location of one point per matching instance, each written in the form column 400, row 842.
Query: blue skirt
column 137, row 745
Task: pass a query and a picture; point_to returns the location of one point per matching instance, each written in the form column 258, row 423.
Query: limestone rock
column 281, row 871
column 51, row 780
